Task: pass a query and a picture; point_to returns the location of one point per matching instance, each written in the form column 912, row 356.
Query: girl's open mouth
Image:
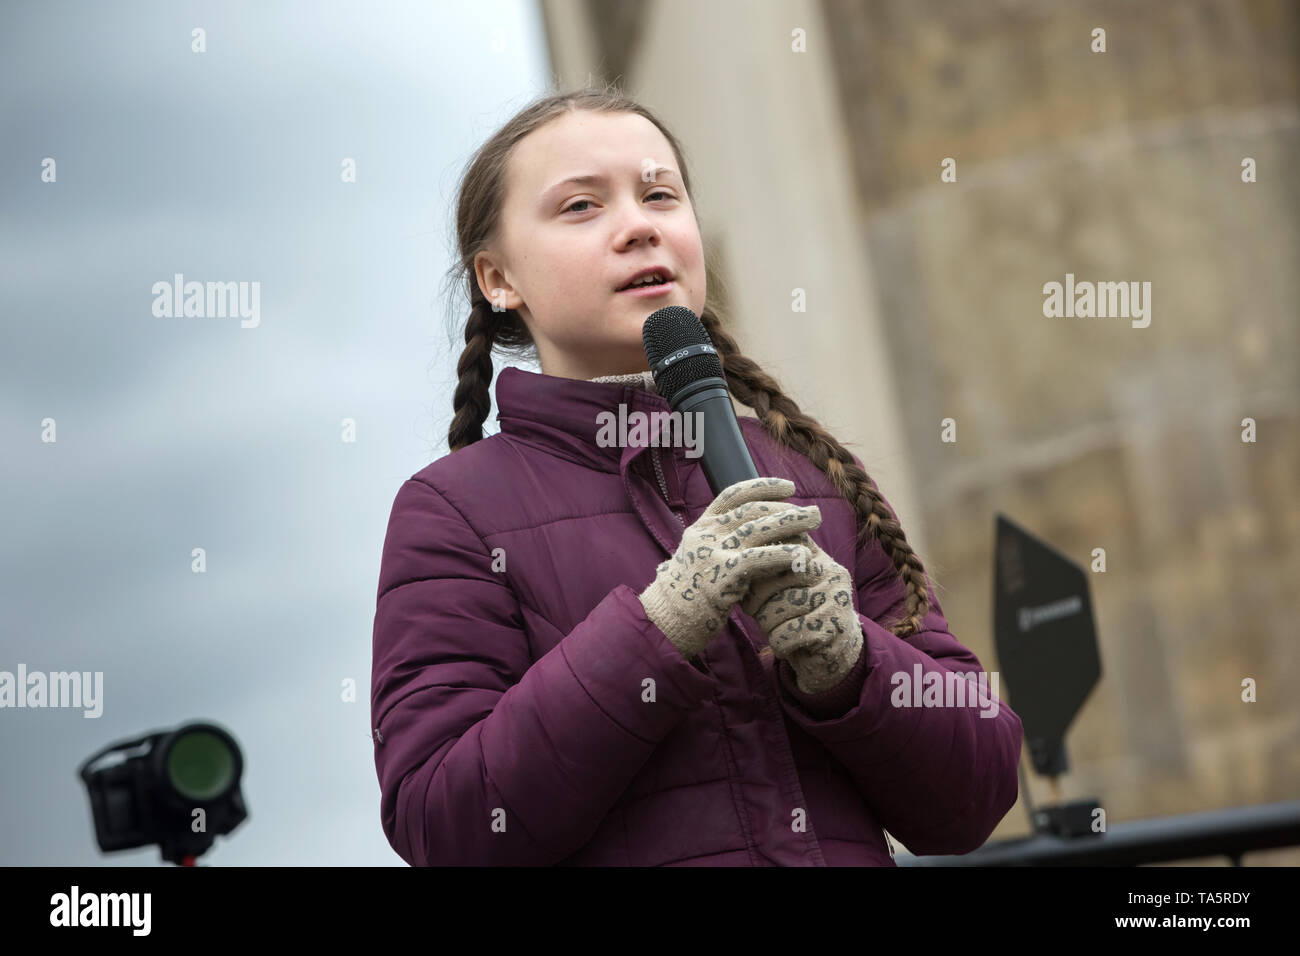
column 644, row 291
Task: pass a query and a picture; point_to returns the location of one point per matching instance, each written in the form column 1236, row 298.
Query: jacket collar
column 561, row 415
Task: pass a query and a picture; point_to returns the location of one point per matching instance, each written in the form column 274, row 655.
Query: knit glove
column 725, row 551
column 809, row 619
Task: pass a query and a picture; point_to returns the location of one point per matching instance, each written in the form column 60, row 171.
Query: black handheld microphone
column 688, row 372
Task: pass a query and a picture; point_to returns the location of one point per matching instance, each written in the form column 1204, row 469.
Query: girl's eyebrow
column 595, row 179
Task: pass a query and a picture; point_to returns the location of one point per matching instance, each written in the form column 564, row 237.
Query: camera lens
column 200, row 765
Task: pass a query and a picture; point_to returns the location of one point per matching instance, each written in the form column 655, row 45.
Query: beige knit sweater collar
column 644, row 380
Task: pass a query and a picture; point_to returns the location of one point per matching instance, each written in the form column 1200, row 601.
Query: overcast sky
column 186, row 432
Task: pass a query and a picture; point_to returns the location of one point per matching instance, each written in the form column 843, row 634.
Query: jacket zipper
column 663, row 485
column 698, row 660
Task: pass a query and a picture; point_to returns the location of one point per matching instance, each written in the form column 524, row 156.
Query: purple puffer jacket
column 527, row 712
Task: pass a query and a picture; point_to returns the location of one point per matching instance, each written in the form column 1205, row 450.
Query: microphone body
column 724, row 455
column 688, row 373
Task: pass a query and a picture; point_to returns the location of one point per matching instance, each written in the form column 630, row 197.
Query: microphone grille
column 668, row 330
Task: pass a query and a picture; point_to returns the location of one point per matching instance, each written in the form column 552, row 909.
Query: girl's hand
column 809, row 619
column 725, row 551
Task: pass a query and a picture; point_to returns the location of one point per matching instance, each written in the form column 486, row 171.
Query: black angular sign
column 1045, row 637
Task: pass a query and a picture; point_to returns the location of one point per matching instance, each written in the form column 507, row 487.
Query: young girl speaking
column 582, row 656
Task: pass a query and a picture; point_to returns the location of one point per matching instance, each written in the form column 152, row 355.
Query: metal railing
column 1188, row 836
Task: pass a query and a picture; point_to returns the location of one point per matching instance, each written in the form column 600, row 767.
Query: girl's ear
column 493, row 284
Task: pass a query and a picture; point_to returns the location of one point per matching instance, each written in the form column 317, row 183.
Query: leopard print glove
column 809, row 619
column 722, row 554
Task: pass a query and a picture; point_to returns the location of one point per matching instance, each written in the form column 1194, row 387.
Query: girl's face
column 565, row 248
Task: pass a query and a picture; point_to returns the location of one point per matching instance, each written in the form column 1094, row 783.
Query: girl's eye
column 573, row 207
